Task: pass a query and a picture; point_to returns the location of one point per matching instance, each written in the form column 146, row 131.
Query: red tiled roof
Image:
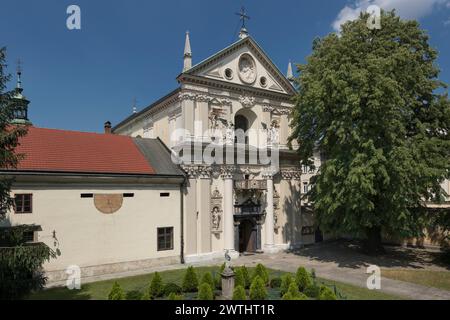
column 73, row 151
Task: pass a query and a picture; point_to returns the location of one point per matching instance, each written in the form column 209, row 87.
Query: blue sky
column 79, row 79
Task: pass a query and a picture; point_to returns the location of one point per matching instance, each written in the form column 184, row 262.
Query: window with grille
column 23, row 203
column 165, row 239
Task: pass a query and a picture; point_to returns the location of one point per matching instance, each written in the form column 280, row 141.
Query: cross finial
column 243, row 16
column 19, row 73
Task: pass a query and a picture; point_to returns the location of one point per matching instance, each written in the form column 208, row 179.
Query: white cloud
column 408, row 9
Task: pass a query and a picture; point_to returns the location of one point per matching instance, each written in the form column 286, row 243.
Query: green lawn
column 100, row 290
column 435, row 279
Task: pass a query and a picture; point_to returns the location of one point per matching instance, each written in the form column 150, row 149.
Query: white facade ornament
column 191, row 171
column 276, row 109
column 194, row 172
column 291, row 174
column 216, row 211
column 246, row 101
column 273, row 135
column 229, row 133
column 186, row 95
column 247, row 69
column 276, row 207
column 227, row 172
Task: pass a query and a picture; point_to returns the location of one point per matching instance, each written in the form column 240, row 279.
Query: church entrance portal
column 247, row 236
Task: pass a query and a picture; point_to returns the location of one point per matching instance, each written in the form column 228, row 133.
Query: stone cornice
column 203, row 97
column 236, row 88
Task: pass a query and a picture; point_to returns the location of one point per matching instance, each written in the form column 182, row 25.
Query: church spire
column 187, row 60
column 19, row 100
column 243, row 16
column 290, row 74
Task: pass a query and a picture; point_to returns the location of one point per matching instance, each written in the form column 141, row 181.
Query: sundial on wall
column 247, row 69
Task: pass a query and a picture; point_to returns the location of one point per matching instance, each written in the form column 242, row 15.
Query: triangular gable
column 244, row 63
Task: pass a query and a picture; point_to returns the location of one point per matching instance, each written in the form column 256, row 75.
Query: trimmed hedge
column 286, row 281
column 261, row 271
column 156, row 288
column 247, row 279
column 239, row 293
column 208, row 278
column 116, row 292
column 190, row 280
column 205, row 292
column 326, row 294
column 303, row 279
column 258, row 289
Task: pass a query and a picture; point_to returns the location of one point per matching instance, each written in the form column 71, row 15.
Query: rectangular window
column 164, row 194
column 165, row 238
column 128, row 195
column 87, row 195
column 23, row 203
column 28, row 236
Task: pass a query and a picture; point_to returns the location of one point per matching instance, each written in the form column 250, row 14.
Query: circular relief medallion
column 247, row 69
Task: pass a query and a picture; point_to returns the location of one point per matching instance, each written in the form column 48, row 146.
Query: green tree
column 205, row 292
column 369, row 102
column 303, row 279
column 116, row 292
column 246, row 275
column 190, row 280
column 156, row 288
column 326, row 294
column 258, row 289
column 239, row 293
column 208, row 278
column 261, row 271
column 286, row 281
column 239, row 279
column 20, row 262
column 293, row 293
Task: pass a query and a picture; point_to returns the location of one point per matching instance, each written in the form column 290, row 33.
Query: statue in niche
column 216, row 118
column 216, row 218
column 216, row 212
column 273, row 134
column 229, row 133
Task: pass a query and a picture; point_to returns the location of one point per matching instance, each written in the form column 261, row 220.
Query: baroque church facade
column 248, row 198
column 202, row 171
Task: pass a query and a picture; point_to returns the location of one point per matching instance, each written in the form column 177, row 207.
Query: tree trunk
column 373, row 244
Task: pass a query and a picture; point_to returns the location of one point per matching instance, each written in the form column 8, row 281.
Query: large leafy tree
column 20, row 261
column 371, row 103
column 9, row 135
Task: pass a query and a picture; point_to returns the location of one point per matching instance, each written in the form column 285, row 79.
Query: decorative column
column 269, row 225
column 203, row 207
column 190, row 212
column 228, row 214
column 290, row 180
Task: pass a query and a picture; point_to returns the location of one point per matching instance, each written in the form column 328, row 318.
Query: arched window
column 240, row 122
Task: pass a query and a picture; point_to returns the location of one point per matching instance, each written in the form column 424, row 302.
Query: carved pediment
column 244, row 63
